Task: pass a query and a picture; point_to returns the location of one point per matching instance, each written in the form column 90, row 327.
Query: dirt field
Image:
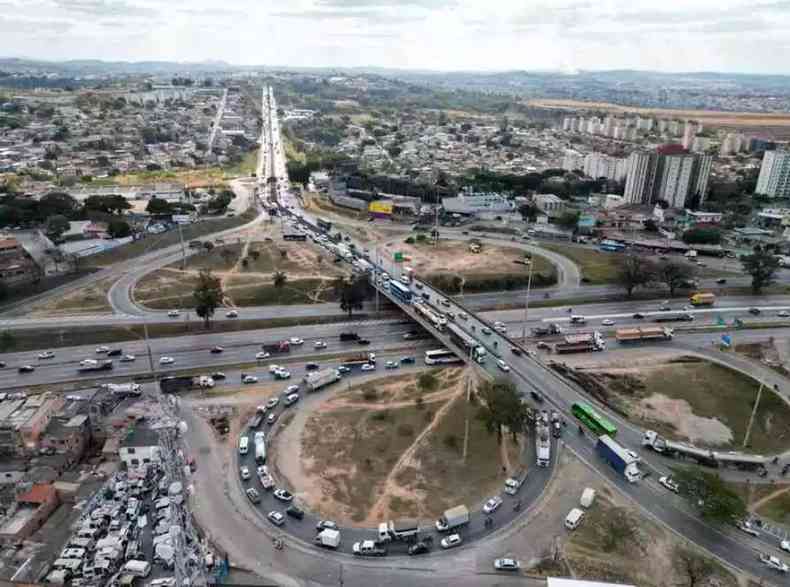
column 246, row 268
column 86, row 300
column 393, row 448
column 687, row 398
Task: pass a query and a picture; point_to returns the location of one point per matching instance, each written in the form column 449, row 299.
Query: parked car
column 283, row 495
column 451, row 541
column 273, row 401
column 232, row 314
column 391, row 365
column 492, row 505
column 419, row 548
column 408, row 360
column 746, row 526
column 326, row 525
column 295, row 512
column 245, row 473
column 276, row 518
column 253, row 495
column 217, row 375
column 368, row 367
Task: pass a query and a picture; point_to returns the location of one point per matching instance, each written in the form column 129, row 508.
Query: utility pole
column 526, row 301
column 751, row 419
column 468, row 398
column 148, row 346
column 183, row 251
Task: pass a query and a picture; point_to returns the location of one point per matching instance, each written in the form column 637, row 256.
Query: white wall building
column 140, row 447
column 774, row 178
column 550, row 204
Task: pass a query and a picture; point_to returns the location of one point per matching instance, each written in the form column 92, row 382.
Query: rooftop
column 40, row 493
column 141, row 435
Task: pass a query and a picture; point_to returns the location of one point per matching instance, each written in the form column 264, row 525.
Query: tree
column 208, row 296
column 650, row 225
column 56, row 226
column 694, row 568
column 634, row 271
column 762, row 266
column 709, row 495
column 702, row 236
column 113, row 204
column 118, row 228
column 57, row 203
column 502, row 408
column 568, row 219
column 351, row 294
column 673, row 274
column 158, row 206
column 280, row 279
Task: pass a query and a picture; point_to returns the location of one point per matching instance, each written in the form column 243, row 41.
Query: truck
column 690, row 254
column 258, row 417
column 105, row 365
column 328, row 538
column 702, row 299
column 358, row 359
column 543, row 441
column 124, row 388
column 178, row 384
column 368, row 548
column 282, row 346
column 548, row 330
column 644, row 334
column 403, row 529
column 453, row 518
column 260, row 448
column 618, row 458
column 581, row 343
column 684, row 317
column 318, row 379
column 514, row 483
column 587, row 498
column 349, row 337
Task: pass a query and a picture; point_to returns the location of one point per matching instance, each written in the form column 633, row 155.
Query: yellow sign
column 380, row 207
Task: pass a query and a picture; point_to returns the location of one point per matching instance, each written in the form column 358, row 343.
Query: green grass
column 714, row 391
column 160, row 241
column 246, row 166
column 596, row 267
column 777, row 509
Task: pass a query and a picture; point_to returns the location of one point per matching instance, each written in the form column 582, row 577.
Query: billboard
column 380, row 208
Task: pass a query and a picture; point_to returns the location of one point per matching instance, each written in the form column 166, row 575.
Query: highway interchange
column 301, row 564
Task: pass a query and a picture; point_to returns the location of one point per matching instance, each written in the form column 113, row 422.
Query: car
column 253, row 495
column 543, row 345
column 343, row 369
column 669, row 483
column 326, row 525
column 444, row 302
column 262, row 470
column 249, row 379
column 2, row 364
column 502, row 365
column 127, row 359
column 634, row 456
column 276, row 518
column 746, row 526
column 391, row 365
column 295, row 512
column 262, row 355
column 271, row 418
column 785, row 545
column 418, row 285
column 451, row 541
column 363, row 341
column 115, row 353
column 368, row 367
column 26, row 369
column 291, row 399
column 291, row 389
column 463, row 316
column 283, row 495
column 516, row 351
column 783, row 314
column 773, row 562
column 312, row 367
column 604, row 322
column 173, row 314
column 721, row 281
column 216, row 350
column 102, row 350
column 485, row 330
column 273, row 401
column 500, row 326
column 419, row 548
column 754, row 311
column 282, row 374
column 536, row 396
column 664, row 308
column 216, row 375
column 507, row 564
column 245, row 473
column 232, row 314
column 408, row 360
column 296, row 341
column 638, row 316
column 166, row 360
column 492, row 505
column 46, row 355
column 319, row 344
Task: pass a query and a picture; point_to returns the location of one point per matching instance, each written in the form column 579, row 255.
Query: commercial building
column 774, row 178
column 549, row 204
column 478, row 204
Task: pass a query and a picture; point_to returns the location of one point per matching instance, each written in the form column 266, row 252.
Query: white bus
column 441, row 357
column 244, row 445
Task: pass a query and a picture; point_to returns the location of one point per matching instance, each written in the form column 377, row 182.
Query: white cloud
column 673, row 35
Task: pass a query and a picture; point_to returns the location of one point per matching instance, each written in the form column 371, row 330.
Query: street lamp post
column 526, row 302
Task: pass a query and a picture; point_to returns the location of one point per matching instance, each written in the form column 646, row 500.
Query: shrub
column 405, row 430
column 451, row 441
column 370, row 395
column 381, row 416
column 418, row 403
column 428, row 381
column 410, row 240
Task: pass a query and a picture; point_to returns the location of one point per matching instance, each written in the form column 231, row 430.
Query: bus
column 441, row 357
column 611, row 246
column 400, row 292
column 467, row 342
column 594, row 421
column 324, row 225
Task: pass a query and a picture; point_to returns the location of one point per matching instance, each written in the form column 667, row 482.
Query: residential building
column 23, row 421
column 598, row 165
column 573, row 160
column 641, row 172
column 774, row 178
column 550, row 204
column 689, row 133
column 33, row 509
column 17, row 266
column 139, row 447
column 667, row 175
column 68, row 436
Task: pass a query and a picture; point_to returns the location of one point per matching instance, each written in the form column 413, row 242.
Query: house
column 33, row 509
column 139, row 447
column 550, row 204
column 17, row 266
column 67, row 435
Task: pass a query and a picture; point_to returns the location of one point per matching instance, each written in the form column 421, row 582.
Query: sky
column 750, row 36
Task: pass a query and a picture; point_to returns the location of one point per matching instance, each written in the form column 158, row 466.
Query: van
column 137, row 568
column 574, row 519
column 578, row 320
column 244, row 445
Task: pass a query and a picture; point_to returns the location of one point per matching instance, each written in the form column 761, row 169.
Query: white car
column 669, row 483
column 391, row 365
column 785, row 545
column 783, row 314
column 746, row 526
column 173, row 314
column 773, row 562
column 507, row 564
column 607, row 322
column 274, row 368
column 502, row 365
column 276, row 518
column 319, row 344
column 368, row 367
column 245, row 473
column 127, row 359
column 46, row 355
column 272, row 418
column 326, row 525
column 296, row 341
column 291, row 389
column 492, row 505
column 291, row 399
column 166, row 360
column 283, row 495
column 451, row 541
column 250, row 379
column 232, row 314
column 102, row 350
column 273, row 401
column 500, row 326
column 262, row 355
column 262, row 471
column 282, row 374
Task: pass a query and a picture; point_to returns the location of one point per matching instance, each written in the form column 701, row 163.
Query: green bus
column 593, row 420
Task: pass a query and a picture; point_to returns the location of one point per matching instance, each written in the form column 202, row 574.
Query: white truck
column 587, row 498
column 453, row 518
column 543, row 441
column 318, row 379
column 328, row 538
column 125, row 388
column 403, row 529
